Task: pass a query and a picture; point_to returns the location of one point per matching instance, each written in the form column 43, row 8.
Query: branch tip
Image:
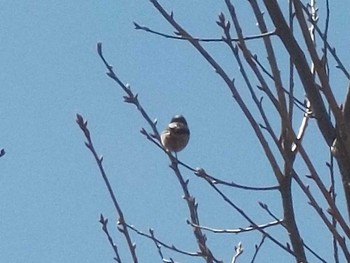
column 137, row 26
column 99, row 48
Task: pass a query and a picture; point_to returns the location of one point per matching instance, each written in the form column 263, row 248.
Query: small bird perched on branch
column 176, row 136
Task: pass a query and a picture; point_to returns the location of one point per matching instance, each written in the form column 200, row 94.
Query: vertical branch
column 193, row 208
column 273, row 65
column 342, row 140
column 287, row 137
column 291, row 67
column 238, row 252
column 318, row 64
column 333, row 194
column 299, row 60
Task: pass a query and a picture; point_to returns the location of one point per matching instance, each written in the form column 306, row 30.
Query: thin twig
column 238, row 230
column 316, row 255
column 266, row 208
column 147, row 29
column 124, row 230
column 104, row 222
column 238, row 251
column 258, row 247
column 131, row 97
column 244, row 214
column 314, row 204
column 331, row 49
column 334, row 196
column 200, row 172
column 158, row 242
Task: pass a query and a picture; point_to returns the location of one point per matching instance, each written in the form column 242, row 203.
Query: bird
column 176, row 135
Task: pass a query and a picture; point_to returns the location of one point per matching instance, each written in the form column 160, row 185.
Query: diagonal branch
column 190, row 200
column 83, row 126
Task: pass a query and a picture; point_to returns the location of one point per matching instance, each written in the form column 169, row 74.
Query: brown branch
column 225, row 25
column 291, row 66
column 272, row 61
column 320, row 70
column 331, row 49
column 286, row 131
column 342, row 126
column 289, row 214
column 346, row 108
column 124, row 230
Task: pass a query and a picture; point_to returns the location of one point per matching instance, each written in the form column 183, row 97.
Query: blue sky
column 51, row 192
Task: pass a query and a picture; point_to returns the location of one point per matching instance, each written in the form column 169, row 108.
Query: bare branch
column 147, row 29
column 159, row 243
column 104, row 222
column 238, row 251
column 297, row 55
column 331, row 49
column 332, row 191
column 258, row 247
column 200, row 172
column 314, row 204
column 244, row 214
column 131, row 97
column 314, row 175
column 238, row 230
column 190, row 200
column 124, row 230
